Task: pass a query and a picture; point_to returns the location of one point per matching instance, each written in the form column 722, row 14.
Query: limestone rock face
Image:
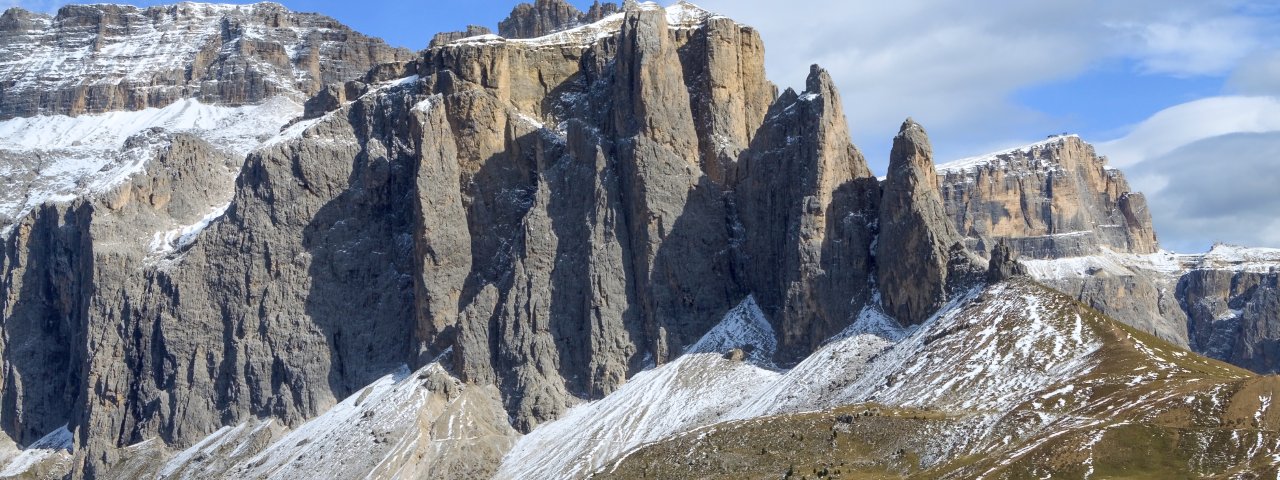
column 119, row 57
column 1057, row 199
column 532, row 220
column 730, row 92
column 1052, row 199
column 530, row 20
column 807, row 204
column 446, row 37
column 1232, row 306
column 914, row 250
column 1081, row 231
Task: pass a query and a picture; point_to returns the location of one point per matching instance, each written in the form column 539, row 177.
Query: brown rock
column 913, row 251
column 446, row 37
column 1052, row 200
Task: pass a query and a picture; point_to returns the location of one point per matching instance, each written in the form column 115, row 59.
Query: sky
column 1182, row 95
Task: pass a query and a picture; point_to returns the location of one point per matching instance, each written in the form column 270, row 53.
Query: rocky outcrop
column 1004, row 265
column 731, row 95
column 535, row 220
column 94, row 249
column 1057, row 199
column 1084, row 233
column 807, row 206
column 542, row 17
column 917, row 268
column 447, row 37
column 1232, row 305
column 119, row 57
column 408, row 218
column 1052, row 199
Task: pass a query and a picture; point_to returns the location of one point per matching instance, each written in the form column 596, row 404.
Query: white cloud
column 1218, row 189
column 1180, row 125
column 1190, row 46
column 1258, row 75
column 955, row 66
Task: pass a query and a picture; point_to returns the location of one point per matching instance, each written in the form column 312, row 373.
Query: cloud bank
column 957, row 67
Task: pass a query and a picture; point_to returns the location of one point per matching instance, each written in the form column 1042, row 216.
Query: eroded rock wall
column 99, row 58
column 1054, row 199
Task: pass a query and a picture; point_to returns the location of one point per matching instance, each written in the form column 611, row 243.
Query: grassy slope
column 1145, row 409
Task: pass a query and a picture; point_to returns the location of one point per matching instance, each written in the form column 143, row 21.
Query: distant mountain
column 1081, row 230
column 242, row 242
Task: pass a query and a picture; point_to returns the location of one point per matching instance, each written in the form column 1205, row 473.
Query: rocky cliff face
column 545, row 216
column 1052, row 199
column 916, row 271
column 805, row 208
column 543, row 17
column 1080, row 230
column 1058, row 199
column 522, row 223
column 1231, row 299
column 100, row 58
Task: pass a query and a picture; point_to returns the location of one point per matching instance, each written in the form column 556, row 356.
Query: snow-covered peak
column 405, row 425
column 61, row 158
column 972, row 163
column 681, row 15
column 693, row 391
column 1237, row 258
column 744, row 327
column 686, row 15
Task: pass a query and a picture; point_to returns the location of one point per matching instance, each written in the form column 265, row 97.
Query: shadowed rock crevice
column 46, row 290
column 360, row 248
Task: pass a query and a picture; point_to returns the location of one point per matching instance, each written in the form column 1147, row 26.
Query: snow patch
column 179, row 238
column 681, row 15
column 234, row 128
column 60, row 158
column 693, row 391
column 744, row 327
column 53, row 444
column 697, row 389
column 293, row 132
column 973, row 163
column 838, row 363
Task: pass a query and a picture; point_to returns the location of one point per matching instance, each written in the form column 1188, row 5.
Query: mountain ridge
column 487, row 238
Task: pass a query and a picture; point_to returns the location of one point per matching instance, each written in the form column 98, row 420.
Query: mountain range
column 242, row 242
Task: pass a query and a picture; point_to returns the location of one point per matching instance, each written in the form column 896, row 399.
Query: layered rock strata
column 554, row 214
column 99, row 58
column 527, row 223
column 543, row 17
column 1053, row 199
column 1081, row 230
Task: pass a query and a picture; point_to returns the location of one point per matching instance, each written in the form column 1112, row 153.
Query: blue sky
column 404, row 23
column 1157, row 85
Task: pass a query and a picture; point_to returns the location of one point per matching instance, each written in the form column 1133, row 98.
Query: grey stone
column 914, row 249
